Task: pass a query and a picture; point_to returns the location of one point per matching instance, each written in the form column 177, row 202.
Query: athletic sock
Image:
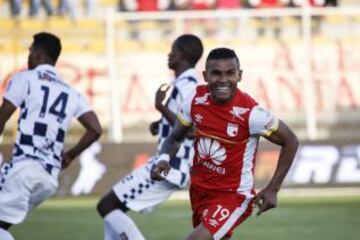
column 109, row 233
column 123, row 227
column 5, row 235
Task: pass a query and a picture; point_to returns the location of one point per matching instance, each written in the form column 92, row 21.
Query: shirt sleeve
column 186, row 88
column 262, row 122
column 184, row 115
column 82, row 106
column 16, row 90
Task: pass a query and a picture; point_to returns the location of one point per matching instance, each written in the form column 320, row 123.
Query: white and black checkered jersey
column 47, row 104
column 184, row 84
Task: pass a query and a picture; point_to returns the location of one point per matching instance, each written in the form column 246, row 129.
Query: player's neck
column 180, row 69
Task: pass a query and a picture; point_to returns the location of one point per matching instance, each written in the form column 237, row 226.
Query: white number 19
column 223, row 212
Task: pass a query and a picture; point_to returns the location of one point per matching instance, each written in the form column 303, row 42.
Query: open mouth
column 223, row 90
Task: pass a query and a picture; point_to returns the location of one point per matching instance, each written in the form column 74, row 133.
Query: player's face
column 222, row 75
column 174, row 57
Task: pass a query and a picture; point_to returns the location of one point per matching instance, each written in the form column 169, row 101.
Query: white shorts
column 23, row 186
column 141, row 194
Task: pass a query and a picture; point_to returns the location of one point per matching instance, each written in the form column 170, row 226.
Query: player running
column 228, row 124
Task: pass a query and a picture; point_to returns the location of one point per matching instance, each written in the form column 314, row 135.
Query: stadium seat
column 6, row 23
column 89, row 24
column 32, row 24
column 127, row 45
column 60, row 23
column 97, row 46
column 156, row 45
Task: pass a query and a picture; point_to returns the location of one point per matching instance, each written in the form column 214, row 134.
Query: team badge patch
column 232, row 129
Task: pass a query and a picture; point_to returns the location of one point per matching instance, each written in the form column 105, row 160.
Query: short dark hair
column 222, row 53
column 191, row 47
column 49, row 43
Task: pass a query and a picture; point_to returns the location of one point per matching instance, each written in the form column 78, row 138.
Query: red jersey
column 226, row 140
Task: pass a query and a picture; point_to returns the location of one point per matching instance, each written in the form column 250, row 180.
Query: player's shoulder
column 186, row 80
column 246, row 99
column 75, row 92
column 23, row 74
column 202, row 89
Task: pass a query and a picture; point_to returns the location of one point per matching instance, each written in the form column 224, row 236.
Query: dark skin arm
column 176, row 136
column 7, row 109
column 285, row 137
column 169, row 115
column 159, row 98
column 154, row 127
column 93, row 131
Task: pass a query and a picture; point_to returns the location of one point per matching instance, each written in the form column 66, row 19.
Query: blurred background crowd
column 92, row 8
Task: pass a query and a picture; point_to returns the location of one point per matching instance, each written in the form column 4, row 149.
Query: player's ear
column 240, row 75
column 204, row 75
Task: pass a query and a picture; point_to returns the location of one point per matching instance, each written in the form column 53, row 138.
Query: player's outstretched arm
column 285, row 137
column 163, row 109
column 90, row 122
column 176, row 136
column 7, row 109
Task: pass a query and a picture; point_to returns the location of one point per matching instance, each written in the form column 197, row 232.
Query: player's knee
column 108, row 203
column 100, row 207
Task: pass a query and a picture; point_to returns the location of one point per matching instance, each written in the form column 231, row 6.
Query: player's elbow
column 97, row 132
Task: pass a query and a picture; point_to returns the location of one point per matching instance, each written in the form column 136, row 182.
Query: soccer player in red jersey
column 228, row 124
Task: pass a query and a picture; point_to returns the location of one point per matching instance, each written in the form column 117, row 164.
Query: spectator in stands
column 313, row 3
column 227, row 4
column 178, row 5
column 67, row 7
column 331, row 3
column 15, row 7
column 89, row 7
column 139, row 5
column 202, row 4
column 35, row 6
column 147, row 5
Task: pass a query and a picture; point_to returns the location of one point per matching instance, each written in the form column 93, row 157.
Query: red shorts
column 219, row 212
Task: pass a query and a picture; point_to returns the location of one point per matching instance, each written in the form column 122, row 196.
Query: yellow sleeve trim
column 182, row 121
column 274, row 128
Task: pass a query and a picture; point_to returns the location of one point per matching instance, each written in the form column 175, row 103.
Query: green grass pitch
column 311, row 218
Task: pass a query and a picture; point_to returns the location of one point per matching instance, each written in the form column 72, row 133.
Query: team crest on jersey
column 202, row 100
column 232, row 129
column 238, row 112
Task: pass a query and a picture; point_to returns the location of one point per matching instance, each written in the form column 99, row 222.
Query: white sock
column 123, row 227
column 109, row 233
column 5, row 235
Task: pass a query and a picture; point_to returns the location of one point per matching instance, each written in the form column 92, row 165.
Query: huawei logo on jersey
column 210, row 148
column 202, row 100
column 238, row 111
